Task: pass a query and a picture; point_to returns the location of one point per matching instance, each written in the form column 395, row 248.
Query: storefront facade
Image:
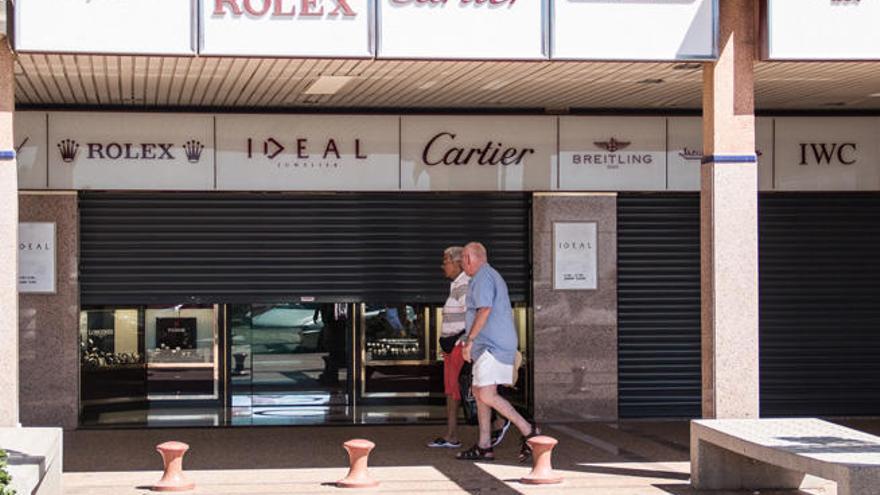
column 240, row 264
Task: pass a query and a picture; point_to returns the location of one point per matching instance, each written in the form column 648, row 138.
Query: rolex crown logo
column 193, row 150
column 68, row 149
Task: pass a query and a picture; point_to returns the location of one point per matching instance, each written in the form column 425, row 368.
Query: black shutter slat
column 173, row 248
column 658, row 305
column 820, row 304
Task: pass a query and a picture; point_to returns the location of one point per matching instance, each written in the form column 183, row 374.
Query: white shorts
column 489, row 371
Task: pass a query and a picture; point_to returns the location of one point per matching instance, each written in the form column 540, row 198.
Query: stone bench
column 35, row 459
column 729, row 454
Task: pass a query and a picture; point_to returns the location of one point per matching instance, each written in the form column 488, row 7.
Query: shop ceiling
column 143, row 82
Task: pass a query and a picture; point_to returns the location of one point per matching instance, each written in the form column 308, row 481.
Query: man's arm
column 479, row 323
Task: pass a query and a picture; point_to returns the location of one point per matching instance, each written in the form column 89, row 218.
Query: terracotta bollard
column 173, row 479
column 358, row 453
column 542, row 471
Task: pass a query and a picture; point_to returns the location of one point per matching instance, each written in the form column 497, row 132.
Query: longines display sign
column 409, row 29
column 231, row 152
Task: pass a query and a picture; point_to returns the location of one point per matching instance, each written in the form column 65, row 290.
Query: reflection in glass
column 289, row 361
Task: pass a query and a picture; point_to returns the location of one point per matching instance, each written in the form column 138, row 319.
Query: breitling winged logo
column 612, row 145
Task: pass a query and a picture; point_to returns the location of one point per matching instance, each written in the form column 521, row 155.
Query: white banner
column 574, row 256
column 462, row 29
column 160, row 27
column 131, row 151
column 286, row 28
column 485, row 153
column 634, row 30
column 307, row 153
column 29, row 130
column 685, row 153
column 612, row 153
column 822, row 30
column 36, row 257
column 828, row 154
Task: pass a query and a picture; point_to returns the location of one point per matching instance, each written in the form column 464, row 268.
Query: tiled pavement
column 633, row 458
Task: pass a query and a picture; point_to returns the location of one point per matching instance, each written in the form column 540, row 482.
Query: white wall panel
column 106, row 26
column 633, row 30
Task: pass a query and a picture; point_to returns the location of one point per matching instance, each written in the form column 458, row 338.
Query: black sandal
column 476, row 453
column 525, row 450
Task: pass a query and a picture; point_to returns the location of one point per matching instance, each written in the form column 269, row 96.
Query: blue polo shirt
column 488, row 290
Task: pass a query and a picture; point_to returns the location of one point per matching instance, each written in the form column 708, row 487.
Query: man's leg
column 451, row 419
column 484, row 418
column 489, row 395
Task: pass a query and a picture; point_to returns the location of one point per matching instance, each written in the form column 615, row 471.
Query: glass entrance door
column 290, row 363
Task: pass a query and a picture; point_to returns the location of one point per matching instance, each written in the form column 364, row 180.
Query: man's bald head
column 473, row 257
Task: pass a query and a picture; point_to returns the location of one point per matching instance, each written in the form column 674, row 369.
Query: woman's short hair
column 454, row 253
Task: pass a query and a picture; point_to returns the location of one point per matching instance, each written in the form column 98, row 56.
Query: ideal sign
column 295, row 28
column 461, row 29
column 307, row 153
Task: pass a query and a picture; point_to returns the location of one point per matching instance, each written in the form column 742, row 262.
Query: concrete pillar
column 729, row 220
column 8, row 245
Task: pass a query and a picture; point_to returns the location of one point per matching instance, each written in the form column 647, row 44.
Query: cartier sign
column 441, row 149
column 477, row 153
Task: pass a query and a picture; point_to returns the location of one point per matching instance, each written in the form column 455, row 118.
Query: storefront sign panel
column 827, row 154
column 612, row 153
column 685, row 152
column 462, row 29
column 574, row 256
column 480, row 153
column 131, row 151
column 29, row 130
column 36, row 257
column 157, row 27
column 286, row 28
column 649, row 30
column 822, row 30
column 308, row 152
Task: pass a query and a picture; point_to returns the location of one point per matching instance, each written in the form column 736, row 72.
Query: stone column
column 729, row 220
column 8, row 245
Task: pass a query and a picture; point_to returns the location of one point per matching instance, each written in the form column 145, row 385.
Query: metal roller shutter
column 820, row 304
column 173, row 248
column 658, row 251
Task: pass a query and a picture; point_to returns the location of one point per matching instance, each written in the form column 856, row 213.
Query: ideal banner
column 822, row 30
column 137, row 27
column 307, row 153
column 634, row 30
column 286, row 28
column 462, row 29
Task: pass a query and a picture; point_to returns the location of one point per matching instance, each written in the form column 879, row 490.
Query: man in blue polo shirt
column 491, row 346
